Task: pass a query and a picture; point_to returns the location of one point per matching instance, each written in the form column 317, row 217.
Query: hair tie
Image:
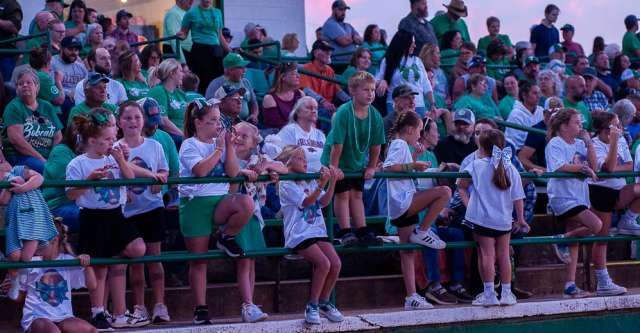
column 498, row 155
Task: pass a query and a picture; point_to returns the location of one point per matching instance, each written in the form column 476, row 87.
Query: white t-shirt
column 522, row 116
column 413, row 70
column 624, row 156
column 116, row 93
column 150, row 156
column 312, row 142
column 399, row 192
column 97, row 197
column 191, row 153
column 490, row 206
column 566, row 193
column 636, row 163
column 48, row 292
column 300, row 223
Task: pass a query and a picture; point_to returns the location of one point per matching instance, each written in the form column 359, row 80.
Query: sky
column 591, row 18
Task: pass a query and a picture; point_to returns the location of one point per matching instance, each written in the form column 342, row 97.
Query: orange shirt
column 326, row 89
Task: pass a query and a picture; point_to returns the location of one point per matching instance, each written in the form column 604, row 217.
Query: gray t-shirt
column 332, row 30
column 73, row 73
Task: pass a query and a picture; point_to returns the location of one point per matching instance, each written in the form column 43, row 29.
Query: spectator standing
column 10, row 25
column 630, row 41
column 545, row 34
column 55, row 7
column 122, row 32
column 340, row 35
column 172, row 24
column 574, row 50
column 416, row 23
column 76, row 23
column 452, row 20
column 100, row 62
column 493, row 26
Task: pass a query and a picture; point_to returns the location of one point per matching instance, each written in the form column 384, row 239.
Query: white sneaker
column 330, row 312
column 628, row 226
column 128, row 320
column 610, row 289
column 160, row 314
column 486, row 299
column 251, row 313
column 427, row 238
column 14, row 290
column 140, row 312
column 416, row 302
column 508, row 298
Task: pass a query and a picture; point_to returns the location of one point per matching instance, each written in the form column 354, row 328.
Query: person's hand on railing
column 587, row 171
column 325, row 176
column 161, row 177
column 85, row 260
column 369, row 172
column 337, row 173
column 251, row 175
column 537, row 171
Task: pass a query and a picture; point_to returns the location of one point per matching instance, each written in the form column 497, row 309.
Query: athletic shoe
column 348, row 239
column 14, row 289
column 507, row 298
column 201, row 315
column 312, row 314
column 562, row 251
column 439, row 295
column 520, row 293
column 486, row 299
column 368, row 238
column 462, row 295
column 427, row 238
column 160, row 314
column 628, row 226
column 416, row 302
column 610, row 289
column 574, row 292
column 127, row 320
column 229, row 246
column 109, row 316
column 251, row 313
column 100, row 322
column 330, row 312
column 141, row 313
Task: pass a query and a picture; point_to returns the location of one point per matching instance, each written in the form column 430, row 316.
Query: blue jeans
column 28, row 161
column 70, row 213
column 7, row 65
column 456, row 257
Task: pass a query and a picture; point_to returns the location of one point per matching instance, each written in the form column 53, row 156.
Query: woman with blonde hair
column 430, row 56
column 290, row 44
column 171, row 98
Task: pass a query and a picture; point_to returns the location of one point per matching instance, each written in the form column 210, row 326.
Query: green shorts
column 196, row 215
column 250, row 237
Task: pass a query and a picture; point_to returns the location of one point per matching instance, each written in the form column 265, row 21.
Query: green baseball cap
column 234, row 60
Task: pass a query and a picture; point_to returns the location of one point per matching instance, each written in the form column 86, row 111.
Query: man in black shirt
column 10, row 24
column 455, row 147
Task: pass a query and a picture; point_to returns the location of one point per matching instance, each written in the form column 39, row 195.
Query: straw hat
column 457, row 7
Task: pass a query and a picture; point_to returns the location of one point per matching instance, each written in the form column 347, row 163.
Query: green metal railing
column 176, row 49
column 21, row 38
column 520, row 127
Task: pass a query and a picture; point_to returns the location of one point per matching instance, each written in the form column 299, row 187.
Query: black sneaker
column 229, row 246
column 348, row 239
column 201, row 315
column 462, row 295
column 439, row 295
column 100, row 322
column 368, row 238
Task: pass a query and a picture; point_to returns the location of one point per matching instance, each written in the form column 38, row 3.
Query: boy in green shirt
column 630, row 41
column 357, row 129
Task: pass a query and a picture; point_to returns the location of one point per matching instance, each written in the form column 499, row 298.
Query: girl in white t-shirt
column 405, row 203
column 46, row 293
column 208, row 151
column 103, row 230
column 250, row 237
column 145, row 208
column 497, row 189
column 571, row 150
column 306, row 233
column 607, row 195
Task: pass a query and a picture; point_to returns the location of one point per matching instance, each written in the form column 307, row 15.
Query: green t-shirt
column 486, row 40
column 505, row 106
column 83, row 108
column 204, row 24
column 376, row 56
column 630, row 43
column 170, row 151
column 448, row 59
column 55, row 169
column 498, row 73
column 172, row 104
column 356, row 135
column 191, row 95
column 442, row 24
column 48, row 90
column 429, row 156
column 39, row 132
column 135, row 89
column 482, row 107
column 584, row 111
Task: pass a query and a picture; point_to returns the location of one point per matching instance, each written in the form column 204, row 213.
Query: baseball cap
column 234, row 60
column 340, row 4
column 95, row 78
column 60, row 1
column 630, row 20
column 151, row 111
column 557, row 48
column 71, row 42
column 403, row 90
column 476, row 60
column 568, row 27
column 589, row 71
column 628, row 74
column 321, row 45
column 531, row 60
column 121, row 13
column 227, row 91
column 464, row 115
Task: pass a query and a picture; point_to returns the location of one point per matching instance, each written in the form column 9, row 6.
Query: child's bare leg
column 76, row 325
column 356, row 208
column 486, row 257
column 406, row 261
column 243, row 270
column 435, row 199
column 117, row 285
column 503, row 258
column 97, row 295
column 341, row 209
column 321, row 268
column 336, row 265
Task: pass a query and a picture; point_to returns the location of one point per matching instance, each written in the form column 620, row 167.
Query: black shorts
column 484, row 231
column 405, row 221
column 150, row 225
column 572, row 212
column 310, row 241
column 348, row 184
column 104, row 233
column 603, row 199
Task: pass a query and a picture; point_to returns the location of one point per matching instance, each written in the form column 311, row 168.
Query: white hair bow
column 498, row 154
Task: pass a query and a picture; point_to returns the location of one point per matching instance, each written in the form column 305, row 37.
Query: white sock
column 488, row 287
column 95, row 311
column 506, row 287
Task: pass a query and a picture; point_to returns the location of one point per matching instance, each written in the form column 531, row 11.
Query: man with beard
column 455, row 147
column 99, row 61
column 530, row 70
column 452, row 20
column 122, row 32
column 602, row 66
column 575, row 88
column 342, row 36
column 95, row 90
column 68, row 62
column 417, row 24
